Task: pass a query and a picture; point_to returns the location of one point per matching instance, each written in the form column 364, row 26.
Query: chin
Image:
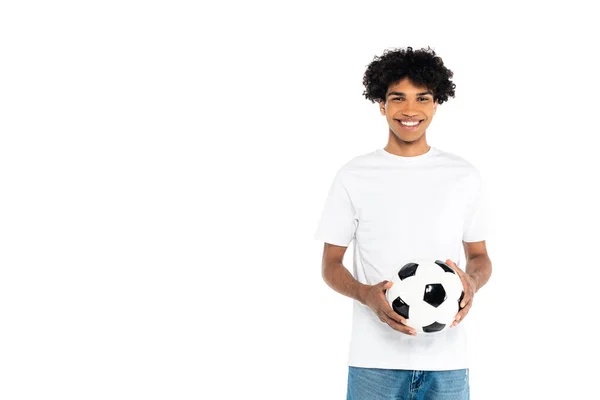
column 410, row 139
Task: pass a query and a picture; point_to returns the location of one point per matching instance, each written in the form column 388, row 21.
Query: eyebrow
column 404, row 94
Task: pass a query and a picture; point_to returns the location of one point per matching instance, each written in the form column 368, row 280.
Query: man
column 405, row 201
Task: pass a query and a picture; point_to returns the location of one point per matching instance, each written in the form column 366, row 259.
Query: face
column 408, row 109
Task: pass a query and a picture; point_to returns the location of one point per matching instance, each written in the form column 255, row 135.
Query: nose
column 409, row 110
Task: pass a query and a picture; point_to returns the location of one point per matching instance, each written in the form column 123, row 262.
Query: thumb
column 387, row 284
column 453, row 265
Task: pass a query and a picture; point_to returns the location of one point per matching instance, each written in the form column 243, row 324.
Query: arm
column 479, row 265
column 337, row 276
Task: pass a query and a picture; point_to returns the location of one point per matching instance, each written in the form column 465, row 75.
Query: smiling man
column 405, row 201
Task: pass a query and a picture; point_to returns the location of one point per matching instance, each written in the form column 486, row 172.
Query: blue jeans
column 397, row 384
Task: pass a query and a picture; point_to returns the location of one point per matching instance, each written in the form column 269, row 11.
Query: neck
column 407, row 149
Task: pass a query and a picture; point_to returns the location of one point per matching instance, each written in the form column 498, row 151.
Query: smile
column 409, row 124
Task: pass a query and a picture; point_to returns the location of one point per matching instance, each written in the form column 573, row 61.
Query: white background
column 163, row 166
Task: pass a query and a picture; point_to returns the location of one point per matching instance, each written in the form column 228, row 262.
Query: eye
column 423, row 99
column 398, row 98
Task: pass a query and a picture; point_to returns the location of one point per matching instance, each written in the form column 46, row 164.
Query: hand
column 469, row 287
column 374, row 297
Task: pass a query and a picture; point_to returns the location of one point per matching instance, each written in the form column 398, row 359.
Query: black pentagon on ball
column 408, row 270
column 400, row 307
column 434, row 294
column 445, row 266
column 435, row 327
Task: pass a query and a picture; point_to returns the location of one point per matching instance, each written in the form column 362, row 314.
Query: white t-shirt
column 396, row 209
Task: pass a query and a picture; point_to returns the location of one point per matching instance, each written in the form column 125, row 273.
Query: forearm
column 480, row 269
column 341, row 280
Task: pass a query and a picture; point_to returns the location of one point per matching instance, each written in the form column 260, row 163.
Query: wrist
column 361, row 293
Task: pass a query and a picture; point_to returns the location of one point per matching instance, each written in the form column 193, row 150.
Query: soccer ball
column 427, row 293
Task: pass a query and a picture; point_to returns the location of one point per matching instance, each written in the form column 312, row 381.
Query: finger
column 467, row 298
column 462, row 313
column 390, row 313
column 455, row 267
column 384, row 286
column 465, row 282
column 460, row 316
column 397, row 326
column 467, row 304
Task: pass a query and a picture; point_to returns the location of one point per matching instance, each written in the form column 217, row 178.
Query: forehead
column 405, row 85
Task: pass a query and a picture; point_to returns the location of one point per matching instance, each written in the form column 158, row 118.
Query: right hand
column 374, row 297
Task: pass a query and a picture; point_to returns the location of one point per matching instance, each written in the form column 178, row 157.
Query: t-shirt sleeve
column 338, row 223
column 475, row 228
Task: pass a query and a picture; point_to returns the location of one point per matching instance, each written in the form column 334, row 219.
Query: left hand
column 470, row 287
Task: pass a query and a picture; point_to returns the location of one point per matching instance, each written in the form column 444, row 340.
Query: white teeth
column 409, row 123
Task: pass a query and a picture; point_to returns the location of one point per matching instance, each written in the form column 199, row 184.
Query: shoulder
column 357, row 163
column 361, row 160
column 463, row 170
column 453, row 160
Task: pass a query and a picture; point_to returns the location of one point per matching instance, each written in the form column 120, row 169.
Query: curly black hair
column 422, row 67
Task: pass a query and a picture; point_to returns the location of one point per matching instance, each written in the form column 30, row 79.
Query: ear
column 382, row 107
column 435, row 106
